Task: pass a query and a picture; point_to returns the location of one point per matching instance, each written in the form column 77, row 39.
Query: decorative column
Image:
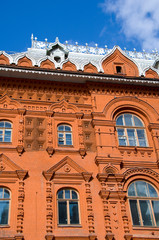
column 104, row 195
column 49, row 208
column 90, row 213
column 20, row 147
column 49, row 148
column 20, row 213
column 82, row 150
column 154, row 128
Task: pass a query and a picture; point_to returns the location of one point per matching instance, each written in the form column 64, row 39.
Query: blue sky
column 127, row 23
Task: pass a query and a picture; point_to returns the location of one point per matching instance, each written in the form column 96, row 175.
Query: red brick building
column 79, row 143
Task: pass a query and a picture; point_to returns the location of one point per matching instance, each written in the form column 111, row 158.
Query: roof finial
column 57, row 39
column 32, row 38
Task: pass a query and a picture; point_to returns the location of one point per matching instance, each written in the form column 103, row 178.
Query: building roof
column 77, row 58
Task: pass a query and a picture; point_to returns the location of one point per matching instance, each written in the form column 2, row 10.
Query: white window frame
column 64, row 132
column 67, row 206
column 147, row 198
column 9, row 200
column 3, row 129
column 135, row 128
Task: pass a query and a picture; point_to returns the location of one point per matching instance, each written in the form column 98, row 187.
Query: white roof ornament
column 57, row 40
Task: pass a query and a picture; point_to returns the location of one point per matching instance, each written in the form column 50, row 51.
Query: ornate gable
column 67, row 169
column 63, row 107
column 119, row 64
column 8, row 169
column 7, row 102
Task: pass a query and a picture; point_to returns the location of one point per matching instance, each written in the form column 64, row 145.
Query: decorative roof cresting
column 92, row 50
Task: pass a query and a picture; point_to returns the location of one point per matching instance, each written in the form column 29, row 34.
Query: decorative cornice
column 69, row 77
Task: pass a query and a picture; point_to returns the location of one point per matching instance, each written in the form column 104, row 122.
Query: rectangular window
column 122, row 137
column 155, row 205
column 62, row 210
column 134, row 212
column 60, row 139
column 131, row 137
column 74, row 215
column 4, row 210
column 68, row 139
column 146, row 212
column 141, row 137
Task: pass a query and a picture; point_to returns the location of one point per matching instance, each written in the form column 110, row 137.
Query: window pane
column 146, row 212
column 119, row 121
column 134, row 212
column 131, row 137
column 60, row 194
column 67, row 128
column 138, row 122
column 155, row 205
column 1, row 124
column 121, row 137
column 7, row 136
column 152, row 191
column 8, row 125
column 141, row 188
column 62, row 208
column 61, row 128
column 6, row 193
column 74, row 195
column 141, row 137
column 67, row 194
column 131, row 191
column 4, row 210
column 68, row 139
column 1, row 192
column 1, row 135
column 128, row 119
column 60, row 139
column 74, row 215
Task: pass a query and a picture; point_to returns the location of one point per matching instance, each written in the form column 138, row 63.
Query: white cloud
column 139, row 18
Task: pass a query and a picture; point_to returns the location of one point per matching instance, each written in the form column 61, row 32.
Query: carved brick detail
column 82, row 150
column 49, row 149
column 49, row 210
column 107, row 219
column 20, row 214
column 90, row 213
column 20, row 147
column 124, row 217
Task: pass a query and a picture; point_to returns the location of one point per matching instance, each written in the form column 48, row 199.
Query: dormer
column 58, row 52
column 117, row 63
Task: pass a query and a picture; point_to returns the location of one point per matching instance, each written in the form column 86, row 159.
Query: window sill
column 4, row 226
column 149, row 228
column 135, row 148
column 69, row 226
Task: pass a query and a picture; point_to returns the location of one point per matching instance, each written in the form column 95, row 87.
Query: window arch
column 4, row 205
column 131, row 130
column 68, row 207
column 144, row 204
column 5, row 131
column 64, row 135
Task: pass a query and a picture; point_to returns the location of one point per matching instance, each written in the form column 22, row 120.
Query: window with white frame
column 68, row 207
column 64, row 135
column 4, row 206
column 5, row 131
column 144, row 204
column 131, row 130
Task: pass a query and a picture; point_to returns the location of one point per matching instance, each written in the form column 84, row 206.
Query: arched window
column 4, row 206
column 64, row 135
column 131, row 130
column 5, row 131
column 68, row 206
column 144, row 204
